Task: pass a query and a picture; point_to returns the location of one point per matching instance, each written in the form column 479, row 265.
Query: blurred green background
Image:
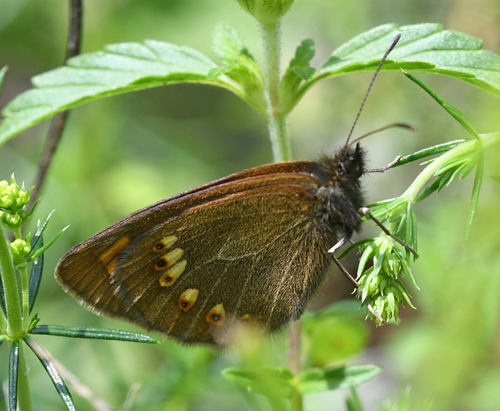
column 121, row 154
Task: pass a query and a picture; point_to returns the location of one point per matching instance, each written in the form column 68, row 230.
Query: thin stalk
column 461, row 150
column 12, row 302
column 24, row 287
column 280, row 142
column 278, row 130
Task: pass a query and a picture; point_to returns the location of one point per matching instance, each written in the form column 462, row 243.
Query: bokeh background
column 120, row 154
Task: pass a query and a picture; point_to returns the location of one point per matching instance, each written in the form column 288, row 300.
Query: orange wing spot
column 164, row 243
column 112, row 251
column 188, row 298
column 170, row 276
column 110, row 267
column 216, row 315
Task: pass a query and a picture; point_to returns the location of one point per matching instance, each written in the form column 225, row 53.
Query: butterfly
column 249, row 249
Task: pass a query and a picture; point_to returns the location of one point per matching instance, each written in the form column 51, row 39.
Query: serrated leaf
column 320, row 380
column 121, row 68
column 227, row 45
column 271, row 381
column 299, row 70
column 423, row 47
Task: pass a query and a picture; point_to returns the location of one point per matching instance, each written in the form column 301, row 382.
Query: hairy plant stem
column 278, row 130
column 12, row 303
column 280, row 142
column 467, row 148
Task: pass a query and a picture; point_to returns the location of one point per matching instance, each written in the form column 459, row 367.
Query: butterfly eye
column 349, row 165
column 259, row 319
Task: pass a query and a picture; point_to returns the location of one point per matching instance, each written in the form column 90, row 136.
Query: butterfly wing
column 199, row 264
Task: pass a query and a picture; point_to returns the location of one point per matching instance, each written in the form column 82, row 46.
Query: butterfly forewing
column 204, row 262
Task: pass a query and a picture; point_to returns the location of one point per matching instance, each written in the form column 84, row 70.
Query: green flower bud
column 19, row 248
column 266, row 11
column 7, row 197
column 10, row 220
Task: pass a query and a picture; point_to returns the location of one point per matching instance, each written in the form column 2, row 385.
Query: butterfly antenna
column 391, row 47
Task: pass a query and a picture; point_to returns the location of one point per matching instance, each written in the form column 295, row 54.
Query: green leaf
column 300, row 64
column 453, row 111
column 92, row 333
column 36, row 276
column 429, row 151
column 239, row 67
column 354, row 402
column 13, row 374
column 39, row 231
column 269, row 381
column 475, row 197
column 298, row 71
column 318, row 380
column 228, row 46
column 423, row 47
column 52, row 372
column 121, row 68
column 45, row 247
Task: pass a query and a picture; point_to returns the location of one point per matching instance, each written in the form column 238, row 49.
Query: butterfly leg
column 344, row 240
column 356, row 285
column 366, row 211
column 387, row 167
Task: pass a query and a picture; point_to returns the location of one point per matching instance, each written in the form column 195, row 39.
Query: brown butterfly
column 250, row 248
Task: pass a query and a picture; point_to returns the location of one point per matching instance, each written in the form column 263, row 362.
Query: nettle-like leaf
column 238, row 65
column 120, row 68
column 127, row 67
column 423, row 47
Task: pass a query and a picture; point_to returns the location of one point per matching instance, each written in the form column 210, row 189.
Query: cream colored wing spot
column 216, row 315
column 188, row 298
column 170, row 276
column 169, row 259
column 165, row 243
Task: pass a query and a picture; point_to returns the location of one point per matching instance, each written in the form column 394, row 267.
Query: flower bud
column 10, row 220
column 266, row 11
column 19, row 248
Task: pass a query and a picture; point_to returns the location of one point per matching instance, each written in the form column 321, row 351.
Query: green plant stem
column 278, row 130
column 23, row 392
column 12, row 302
column 463, row 149
column 24, row 286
